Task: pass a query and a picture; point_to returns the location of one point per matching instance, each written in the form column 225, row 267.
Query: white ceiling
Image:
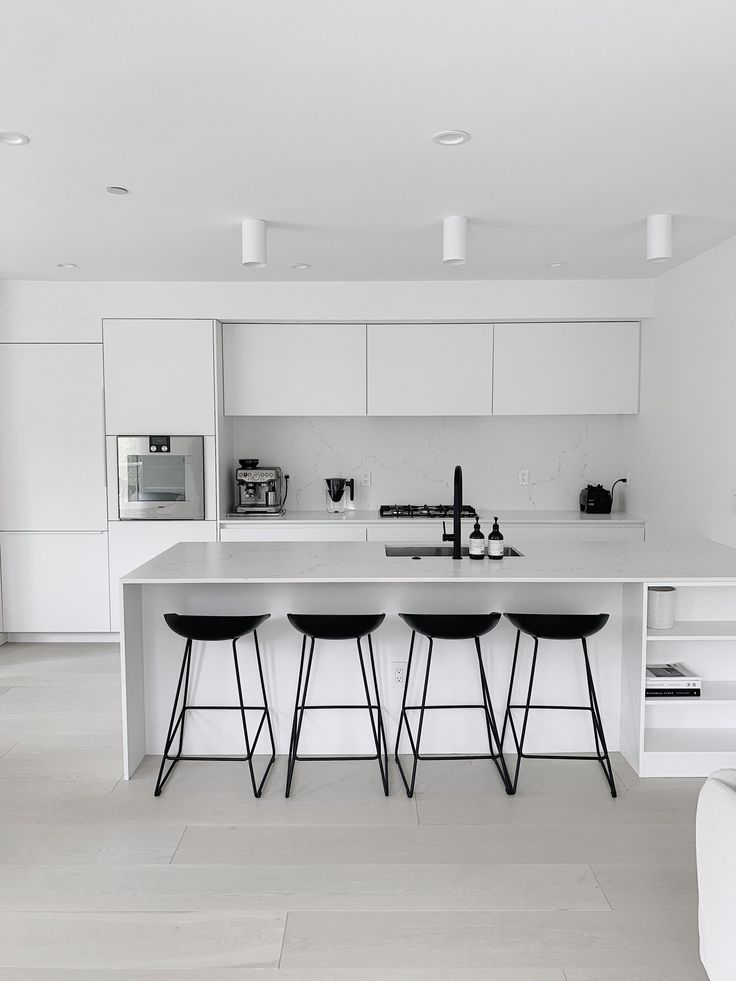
column 585, row 115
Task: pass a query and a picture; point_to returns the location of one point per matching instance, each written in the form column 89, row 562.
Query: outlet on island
column 523, row 478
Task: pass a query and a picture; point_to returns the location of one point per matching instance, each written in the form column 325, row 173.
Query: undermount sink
column 438, row 551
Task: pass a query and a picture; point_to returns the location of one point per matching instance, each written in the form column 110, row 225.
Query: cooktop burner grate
column 423, row 511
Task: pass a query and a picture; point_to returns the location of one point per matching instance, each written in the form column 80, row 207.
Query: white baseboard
column 62, row 638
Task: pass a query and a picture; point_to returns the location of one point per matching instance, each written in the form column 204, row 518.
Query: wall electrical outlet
column 523, row 478
column 733, row 499
column 398, row 673
column 365, row 478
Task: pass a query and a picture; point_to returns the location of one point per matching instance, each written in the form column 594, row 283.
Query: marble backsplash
column 412, row 459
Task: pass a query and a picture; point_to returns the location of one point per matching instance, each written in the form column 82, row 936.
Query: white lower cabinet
column 54, row 582
column 134, row 542
column 517, row 534
column 274, row 531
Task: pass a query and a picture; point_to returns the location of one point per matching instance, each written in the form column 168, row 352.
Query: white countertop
column 356, row 562
column 522, row 516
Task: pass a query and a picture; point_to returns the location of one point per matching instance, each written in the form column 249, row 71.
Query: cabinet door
column 52, row 443
column 159, row 377
column 566, row 369
column 294, row 369
column 134, row 542
column 430, row 369
column 55, row 582
column 274, row 532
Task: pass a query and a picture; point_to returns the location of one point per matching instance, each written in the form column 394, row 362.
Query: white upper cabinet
column 566, row 369
column 159, row 377
column 430, row 369
column 294, row 369
column 52, row 442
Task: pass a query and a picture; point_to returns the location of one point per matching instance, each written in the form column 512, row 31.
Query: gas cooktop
column 423, row 511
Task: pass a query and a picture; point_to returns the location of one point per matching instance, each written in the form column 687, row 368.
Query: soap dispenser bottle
column 477, row 549
column 495, row 542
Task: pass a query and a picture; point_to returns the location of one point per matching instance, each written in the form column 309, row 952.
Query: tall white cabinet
column 159, row 378
column 53, row 528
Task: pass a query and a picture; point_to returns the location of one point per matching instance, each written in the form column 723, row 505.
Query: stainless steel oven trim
column 191, row 509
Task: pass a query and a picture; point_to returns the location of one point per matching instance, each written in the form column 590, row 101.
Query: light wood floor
column 98, row 880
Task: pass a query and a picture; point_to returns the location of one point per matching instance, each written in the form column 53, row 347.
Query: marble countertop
column 522, row 516
column 356, row 562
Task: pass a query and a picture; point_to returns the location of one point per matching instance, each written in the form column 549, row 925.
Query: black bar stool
column 337, row 627
column 203, row 628
column 557, row 627
column 449, row 627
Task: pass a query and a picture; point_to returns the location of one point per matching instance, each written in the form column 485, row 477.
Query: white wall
column 412, row 459
column 683, row 443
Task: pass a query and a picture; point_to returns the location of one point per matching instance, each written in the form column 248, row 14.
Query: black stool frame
column 601, row 749
column 300, row 707
column 177, row 722
column 494, row 741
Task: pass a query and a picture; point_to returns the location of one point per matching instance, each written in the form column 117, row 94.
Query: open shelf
column 711, row 692
column 690, row 740
column 696, row 630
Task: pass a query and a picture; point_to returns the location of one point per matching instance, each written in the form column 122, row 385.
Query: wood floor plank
column 94, row 941
column 298, row 974
column 630, row 885
column 92, row 843
column 428, row 844
column 171, row 888
column 539, row 939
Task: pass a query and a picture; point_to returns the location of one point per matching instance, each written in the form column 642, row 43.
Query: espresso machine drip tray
column 250, row 513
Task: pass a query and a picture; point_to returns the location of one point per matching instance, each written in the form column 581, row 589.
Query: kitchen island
column 669, row 738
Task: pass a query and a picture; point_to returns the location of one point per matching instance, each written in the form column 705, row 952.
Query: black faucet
column 457, row 506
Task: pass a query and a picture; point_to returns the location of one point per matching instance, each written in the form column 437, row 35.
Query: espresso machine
column 260, row 490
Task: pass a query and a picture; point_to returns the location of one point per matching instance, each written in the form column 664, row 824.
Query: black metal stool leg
column 519, row 742
column 507, row 713
column 402, row 715
column 375, row 724
column 381, row 730
column 250, row 750
column 491, row 727
column 172, row 726
column 266, row 713
column 603, row 757
column 299, row 714
column 422, row 708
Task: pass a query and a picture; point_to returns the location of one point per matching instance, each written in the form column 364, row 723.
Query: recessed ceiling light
column 66, row 265
column 117, row 190
column 300, row 265
column 555, row 265
column 451, row 137
column 14, row 139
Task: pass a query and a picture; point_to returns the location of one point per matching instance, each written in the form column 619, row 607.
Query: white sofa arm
column 716, row 854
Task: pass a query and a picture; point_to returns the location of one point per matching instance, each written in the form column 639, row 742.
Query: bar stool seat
column 552, row 627
column 455, row 627
column 330, row 626
column 314, row 626
column 558, row 626
column 213, row 628
column 205, row 629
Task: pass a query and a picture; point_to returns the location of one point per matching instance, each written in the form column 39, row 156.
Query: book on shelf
column 675, row 678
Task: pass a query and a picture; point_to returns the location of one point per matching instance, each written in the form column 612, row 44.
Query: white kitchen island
column 671, row 737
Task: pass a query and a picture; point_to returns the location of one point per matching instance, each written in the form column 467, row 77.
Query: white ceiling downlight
column 66, row 265
column 555, row 265
column 451, row 137
column 14, row 139
column 301, row 265
column 254, row 243
column 455, row 240
column 659, row 238
column 116, row 189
